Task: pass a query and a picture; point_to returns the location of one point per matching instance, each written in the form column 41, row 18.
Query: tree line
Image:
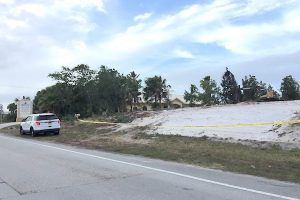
column 231, row 93
column 94, row 92
column 86, row 91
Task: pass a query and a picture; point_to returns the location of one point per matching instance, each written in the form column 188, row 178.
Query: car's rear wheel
column 56, row 133
column 32, row 132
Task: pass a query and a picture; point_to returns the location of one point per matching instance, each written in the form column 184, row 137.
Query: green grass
column 272, row 162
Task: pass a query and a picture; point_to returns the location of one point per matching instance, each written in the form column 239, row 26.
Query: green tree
column 1, row 112
column 83, row 78
column 290, row 88
column 85, row 91
column 12, row 107
column 231, row 92
column 210, row 95
column 51, row 99
column 75, row 87
column 192, row 96
column 65, row 76
column 111, row 90
column 59, row 95
column 156, row 90
column 11, row 117
column 133, row 88
column 252, row 89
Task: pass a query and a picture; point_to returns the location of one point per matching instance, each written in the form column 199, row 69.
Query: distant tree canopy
column 211, row 91
column 156, row 90
column 192, row 96
column 253, row 89
column 290, row 88
column 134, row 85
column 85, row 91
column 231, row 93
column 12, row 107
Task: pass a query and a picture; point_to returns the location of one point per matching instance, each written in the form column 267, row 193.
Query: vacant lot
column 172, row 121
column 264, row 160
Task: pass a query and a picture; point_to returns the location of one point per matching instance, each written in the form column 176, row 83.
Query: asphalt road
column 40, row 170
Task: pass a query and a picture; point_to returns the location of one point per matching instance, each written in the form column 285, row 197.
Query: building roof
column 171, row 98
column 181, row 98
column 178, row 97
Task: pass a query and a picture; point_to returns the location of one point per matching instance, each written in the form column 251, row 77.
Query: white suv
column 40, row 123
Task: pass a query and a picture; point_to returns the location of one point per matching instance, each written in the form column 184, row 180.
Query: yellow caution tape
column 95, row 122
column 234, row 125
column 209, row 126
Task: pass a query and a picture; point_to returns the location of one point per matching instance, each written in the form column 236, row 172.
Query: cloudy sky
column 182, row 40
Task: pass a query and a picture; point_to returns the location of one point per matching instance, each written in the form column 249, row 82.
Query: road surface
column 40, row 170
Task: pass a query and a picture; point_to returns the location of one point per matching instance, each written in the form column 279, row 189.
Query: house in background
column 142, row 105
column 178, row 101
column 175, row 102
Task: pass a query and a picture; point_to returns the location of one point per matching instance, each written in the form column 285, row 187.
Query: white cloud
column 45, row 35
column 142, row 17
column 211, row 23
column 80, row 23
column 7, row 2
column 292, row 20
column 69, row 4
column 35, row 9
column 37, row 37
column 13, row 23
column 183, row 54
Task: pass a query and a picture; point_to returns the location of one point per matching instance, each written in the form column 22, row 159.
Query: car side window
column 28, row 119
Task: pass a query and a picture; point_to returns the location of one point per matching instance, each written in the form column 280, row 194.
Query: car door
column 23, row 124
column 26, row 126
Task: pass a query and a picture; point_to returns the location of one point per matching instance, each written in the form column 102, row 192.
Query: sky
column 182, row 40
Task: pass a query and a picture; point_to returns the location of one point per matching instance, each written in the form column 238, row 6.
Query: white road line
column 166, row 171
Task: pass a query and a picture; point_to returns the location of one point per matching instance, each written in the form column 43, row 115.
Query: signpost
column 24, row 108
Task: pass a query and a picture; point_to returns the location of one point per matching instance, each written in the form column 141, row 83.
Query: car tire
column 21, row 131
column 56, row 133
column 32, row 132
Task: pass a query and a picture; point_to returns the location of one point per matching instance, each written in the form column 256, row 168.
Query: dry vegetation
column 271, row 161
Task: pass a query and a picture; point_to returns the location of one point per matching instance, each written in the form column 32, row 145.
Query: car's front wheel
column 21, row 131
column 32, row 132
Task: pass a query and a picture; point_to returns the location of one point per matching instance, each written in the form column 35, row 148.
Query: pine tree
column 290, row 88
column 192, row 96
column 231, row 92
column 210, row 95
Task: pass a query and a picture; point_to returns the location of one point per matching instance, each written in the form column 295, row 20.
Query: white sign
column 24, row 108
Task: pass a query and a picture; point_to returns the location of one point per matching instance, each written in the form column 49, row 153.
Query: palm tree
column 156, row 90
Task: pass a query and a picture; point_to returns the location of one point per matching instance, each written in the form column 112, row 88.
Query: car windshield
column 46, row 117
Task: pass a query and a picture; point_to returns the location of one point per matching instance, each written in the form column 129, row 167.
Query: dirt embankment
column 215, row 122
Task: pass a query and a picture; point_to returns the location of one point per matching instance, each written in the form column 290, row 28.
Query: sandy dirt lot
column 242, row 113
